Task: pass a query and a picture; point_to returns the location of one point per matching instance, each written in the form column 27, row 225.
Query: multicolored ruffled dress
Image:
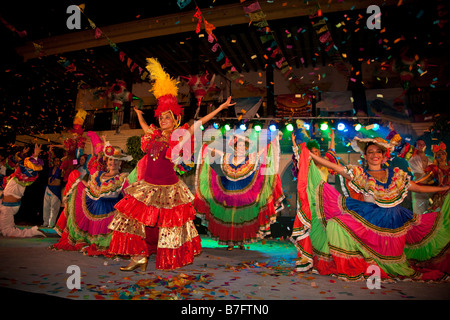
column 83, row 224
column 239, row 201
column 26, row 172
column 156, row 215
column 346, row 235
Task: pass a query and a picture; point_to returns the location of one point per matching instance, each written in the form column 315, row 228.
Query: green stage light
column 324, row 126
column 290, row 127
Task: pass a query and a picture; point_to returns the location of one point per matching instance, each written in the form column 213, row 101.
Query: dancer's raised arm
column 210, row 115
column 339, row 169
column 141, row 119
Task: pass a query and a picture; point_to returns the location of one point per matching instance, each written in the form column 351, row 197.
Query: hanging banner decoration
column 21, row 34
column 227, row 66
column 265, row 34
column 320, row 26
column 183, row 3
column 129, row 62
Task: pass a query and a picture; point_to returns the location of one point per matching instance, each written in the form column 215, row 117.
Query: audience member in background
column 52, row 196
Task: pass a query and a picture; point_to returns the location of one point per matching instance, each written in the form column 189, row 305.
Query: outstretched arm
column 425, row 178
column 37, row 150
column 426, row 189
column 339, row 169
column 141, row 119
column 210, row 115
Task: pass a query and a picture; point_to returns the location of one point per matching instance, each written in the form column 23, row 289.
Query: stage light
column 257, row 127
column 290, row 127
column 324, row 126
column 227, row 127
column 307, row 126
column 216, row 125
column 341, row 127
column 358, row 127
column 272, row 127
column 243, row 127
column 202, row 127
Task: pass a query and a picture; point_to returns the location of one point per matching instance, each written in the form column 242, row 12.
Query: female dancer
column 89, row 208
column 156, row 214
column 26, row 172
column 314, row 147
column 239, row 198
column 348, row 235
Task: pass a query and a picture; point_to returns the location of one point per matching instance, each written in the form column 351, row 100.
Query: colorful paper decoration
column 199, row 85
column 227, row 66
column 118, row 93
column 320, row 26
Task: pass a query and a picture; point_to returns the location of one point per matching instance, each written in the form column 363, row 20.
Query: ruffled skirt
column 237, row 212
column 83, row 224
column 154, row 218
column 344, row 237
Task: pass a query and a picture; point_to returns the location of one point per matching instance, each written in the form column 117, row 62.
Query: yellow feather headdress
column 164, row 89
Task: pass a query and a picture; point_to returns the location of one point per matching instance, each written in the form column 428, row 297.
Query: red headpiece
column 165, row 90
column 438, row 147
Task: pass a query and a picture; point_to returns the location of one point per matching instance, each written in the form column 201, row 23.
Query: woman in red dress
column 156, row 214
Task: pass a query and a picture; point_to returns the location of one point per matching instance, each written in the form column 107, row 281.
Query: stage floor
column 264, row 271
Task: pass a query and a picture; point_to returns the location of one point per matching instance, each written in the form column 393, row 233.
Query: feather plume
column 164, row 84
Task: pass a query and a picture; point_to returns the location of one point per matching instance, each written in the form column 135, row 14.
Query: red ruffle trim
column 237, row 232
column 64, row 244
column 61, row 223
column 348, row 268
column 153, row 216
column 166, row 259
column 92, row 250
column 129, row 245
column 356, row 269
column 170, row 259
column 441, row 263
